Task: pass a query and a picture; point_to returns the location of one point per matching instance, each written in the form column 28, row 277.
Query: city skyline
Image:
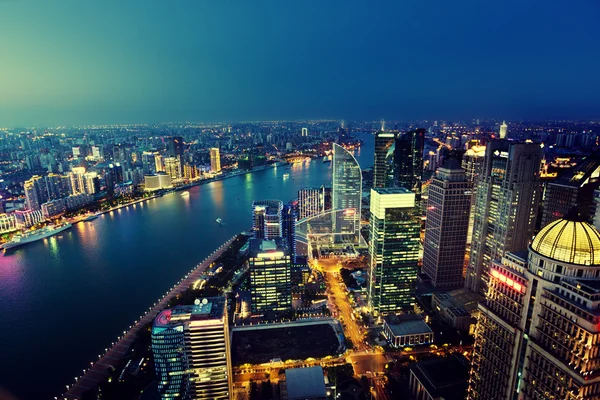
column 120, row 63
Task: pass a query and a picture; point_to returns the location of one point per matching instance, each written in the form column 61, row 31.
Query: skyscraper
column 572, row 189
column 215, row 160
column 35, row 192
column 267, row 221
column 304, row 132
column 172, row 167
column 408, row 161
column 507, row 200
column 448, row 208
column 537, row 334
column 346, row 195
column 175, row 149
column 270, row 280
column 503, row 130
column 394, row 250
column 191, row 351
column 384, row 146
column 149, row 162
column 289, row 216
column 472, row 163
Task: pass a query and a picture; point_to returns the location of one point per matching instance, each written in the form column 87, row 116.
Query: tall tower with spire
column 503, row 130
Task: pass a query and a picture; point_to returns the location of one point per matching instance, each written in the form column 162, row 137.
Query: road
column 339, row 298
column 98, row 370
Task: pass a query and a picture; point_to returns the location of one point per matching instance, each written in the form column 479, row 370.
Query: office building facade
column 394, row 250
column 448, row 207
column 408, row 161
column 346, row 195
column 190, row 345
column 507, row 201
column 384, row 147
column 267, row 219
column 215, row 160
column 270, row 277
column 538, row 333
column 313, row 201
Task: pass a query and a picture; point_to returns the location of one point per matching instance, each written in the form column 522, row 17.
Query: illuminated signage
column 507, row 281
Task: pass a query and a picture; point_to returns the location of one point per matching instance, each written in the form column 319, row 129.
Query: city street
column 339, row 298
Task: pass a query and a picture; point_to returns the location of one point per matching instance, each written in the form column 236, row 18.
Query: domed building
column 538, row 336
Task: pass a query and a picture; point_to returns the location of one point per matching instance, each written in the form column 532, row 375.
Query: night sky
column 115, row 61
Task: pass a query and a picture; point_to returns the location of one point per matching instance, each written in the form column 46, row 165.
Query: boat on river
column 21, row 239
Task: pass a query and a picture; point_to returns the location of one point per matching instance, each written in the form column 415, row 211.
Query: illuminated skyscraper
column 289, row 216
column 346, row 195
column 270, row 280
column 149, row 162
column 175, row 149
column 35, row 192
column 472, row 163
column 172, row 167
column 384, row 147
column 267, row 219
column 394, row 250
column 304, row 132
column 191, row 351
column 503, row 130
column 538, row 334
column 408, row 162
column 448, row 207
column 215, row 160
column 507, row 199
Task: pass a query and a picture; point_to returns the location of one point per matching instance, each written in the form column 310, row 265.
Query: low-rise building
column 406, row 330
column 439, row 379
column 457, row 308
column 304, row 384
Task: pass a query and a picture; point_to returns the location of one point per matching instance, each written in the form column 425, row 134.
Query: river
column 64, row 299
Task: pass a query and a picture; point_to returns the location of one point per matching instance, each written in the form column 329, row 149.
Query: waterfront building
column 78, row 200
column 393, row 249
column 175, row 149
column 28, row 218
column 448, row 206
column 538, row 332
column 408, row 162
column 149, row 162
column 158, row 181
column 346, row 195
column 191, row 350
column 215, row 160
column 572, row 189
column 53, row 208
column 267, row 219
column 472, row 163
column 8, row 223
column 172, row 167
column 77, row 180
column 507, row 200
column 384, row 148
column 270, row 276
column 35, row 192
column 91, row 183
column 53, row 187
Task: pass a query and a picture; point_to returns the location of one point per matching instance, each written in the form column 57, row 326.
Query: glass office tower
column 346, row 195
column 394, row 250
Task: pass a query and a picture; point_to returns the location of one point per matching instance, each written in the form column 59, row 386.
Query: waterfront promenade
column 98, row 370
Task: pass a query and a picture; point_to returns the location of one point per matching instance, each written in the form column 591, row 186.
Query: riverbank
column 176, row 189
column 99, row 370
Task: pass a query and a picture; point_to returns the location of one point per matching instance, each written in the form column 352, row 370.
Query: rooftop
column 206, row 308
column 407, row 324
column 305, row 383
column 443, row 377
column 396, row 190
column 571, row 241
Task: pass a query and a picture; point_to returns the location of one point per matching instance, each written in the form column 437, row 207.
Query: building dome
column 570, row 241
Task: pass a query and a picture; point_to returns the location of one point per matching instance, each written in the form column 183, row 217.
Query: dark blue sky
column 115, row 61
